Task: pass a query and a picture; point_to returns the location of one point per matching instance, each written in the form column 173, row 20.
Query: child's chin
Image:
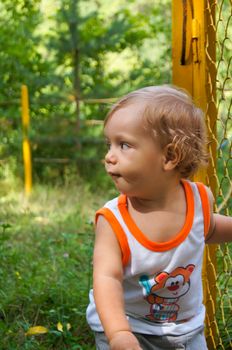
column 125, row 191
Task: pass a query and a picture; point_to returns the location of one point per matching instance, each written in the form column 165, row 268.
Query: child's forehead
column 129, row 111
column 126, row 117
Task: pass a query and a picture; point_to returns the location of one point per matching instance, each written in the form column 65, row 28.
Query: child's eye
column 124, row 145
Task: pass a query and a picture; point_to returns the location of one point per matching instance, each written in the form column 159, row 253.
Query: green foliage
column 74, row 51
column 20, row 61
column 45, row 274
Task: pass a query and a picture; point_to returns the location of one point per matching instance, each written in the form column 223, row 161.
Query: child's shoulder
column 112, row 203
column 198, row 187
column 203, row 190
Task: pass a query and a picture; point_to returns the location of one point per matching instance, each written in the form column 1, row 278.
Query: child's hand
column 124, row 340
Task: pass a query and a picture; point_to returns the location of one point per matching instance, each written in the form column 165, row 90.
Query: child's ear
column 172, row 157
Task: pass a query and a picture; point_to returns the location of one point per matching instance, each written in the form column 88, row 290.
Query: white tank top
column 162, row 281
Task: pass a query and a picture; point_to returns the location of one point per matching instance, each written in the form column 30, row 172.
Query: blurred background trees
column 70, row 53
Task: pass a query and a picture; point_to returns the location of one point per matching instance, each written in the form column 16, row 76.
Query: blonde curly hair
column 171, row 116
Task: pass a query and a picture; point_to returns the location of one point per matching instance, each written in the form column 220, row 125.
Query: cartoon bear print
column 165, row 293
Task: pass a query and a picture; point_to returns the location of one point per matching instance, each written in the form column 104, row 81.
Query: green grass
column 45, row 271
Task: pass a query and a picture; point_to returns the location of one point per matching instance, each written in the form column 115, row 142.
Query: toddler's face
column 134, row 160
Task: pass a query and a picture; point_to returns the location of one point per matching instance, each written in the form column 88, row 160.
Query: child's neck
column 162, row 216
column 163, row 197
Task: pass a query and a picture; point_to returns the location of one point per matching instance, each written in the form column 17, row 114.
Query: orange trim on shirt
column 120, row 234
column 205, row 206
column 163, row 246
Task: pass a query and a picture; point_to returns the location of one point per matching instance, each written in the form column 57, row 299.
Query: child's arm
column 108, row 291
column 220, row 230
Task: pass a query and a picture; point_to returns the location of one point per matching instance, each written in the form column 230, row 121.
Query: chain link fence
column 202, row 64
column 218, row 15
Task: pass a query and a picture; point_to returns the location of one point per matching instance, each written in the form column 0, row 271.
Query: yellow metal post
column 181, row 48
column 193, row 69
column 26, row 143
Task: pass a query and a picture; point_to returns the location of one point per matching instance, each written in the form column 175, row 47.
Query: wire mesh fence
column 202, row 60
column 218, row 113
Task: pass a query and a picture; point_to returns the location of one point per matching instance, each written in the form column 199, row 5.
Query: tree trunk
column 73, row 27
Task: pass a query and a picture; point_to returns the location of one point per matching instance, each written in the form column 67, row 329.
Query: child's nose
column 110, row 157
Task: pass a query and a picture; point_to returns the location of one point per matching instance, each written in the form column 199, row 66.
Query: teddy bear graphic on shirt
column 163, row 292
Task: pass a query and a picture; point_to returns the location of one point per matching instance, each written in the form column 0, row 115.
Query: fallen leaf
column 59, row 327
column 36, row 330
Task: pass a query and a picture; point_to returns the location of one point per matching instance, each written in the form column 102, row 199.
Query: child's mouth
column 114, row 176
